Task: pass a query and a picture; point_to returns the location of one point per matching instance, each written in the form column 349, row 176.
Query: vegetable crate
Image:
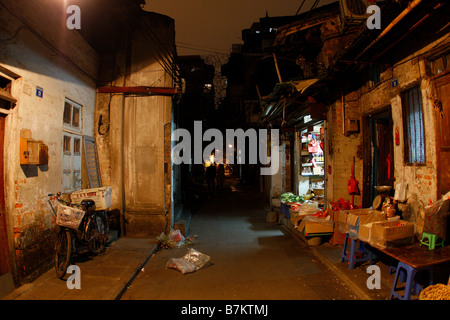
column 101, row 196
column 69, row 217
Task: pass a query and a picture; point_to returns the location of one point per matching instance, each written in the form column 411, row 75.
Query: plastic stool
column 432, row 240
column 351, row 258
column 411, row 286
column 393, row 269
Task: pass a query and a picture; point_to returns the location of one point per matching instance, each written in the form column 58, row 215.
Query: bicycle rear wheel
column 63, row 252
column 97, row 233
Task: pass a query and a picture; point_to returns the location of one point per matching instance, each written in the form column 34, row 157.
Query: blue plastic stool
column 351, row 258
column 410, row 286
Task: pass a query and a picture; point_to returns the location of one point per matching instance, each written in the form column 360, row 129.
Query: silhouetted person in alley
column 211, row 177
column 220, row 176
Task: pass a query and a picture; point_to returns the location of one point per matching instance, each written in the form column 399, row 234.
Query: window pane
column 67, row 118
column 76, row 117
column 77, row 145
column 67, row 146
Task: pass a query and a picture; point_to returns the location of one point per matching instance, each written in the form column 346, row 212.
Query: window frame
column 69, row 125
column 72, row 142
column 418, row 157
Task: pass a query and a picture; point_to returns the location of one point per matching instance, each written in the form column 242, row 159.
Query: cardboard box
column 392, row 234
column 338, row 236
column 311, row 227
column 357, row 218
column 365, row 231
column 295, row 217
column 342, row 221
column 392, row 230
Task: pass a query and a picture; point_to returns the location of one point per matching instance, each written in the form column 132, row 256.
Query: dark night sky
column 214, row 25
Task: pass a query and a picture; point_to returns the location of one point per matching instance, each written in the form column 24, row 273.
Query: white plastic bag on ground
column 190, row 262
column 181, row 265
column 173, row 239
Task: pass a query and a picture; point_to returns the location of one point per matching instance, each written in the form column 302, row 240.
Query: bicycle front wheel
column 97, row 233
column 63, row 252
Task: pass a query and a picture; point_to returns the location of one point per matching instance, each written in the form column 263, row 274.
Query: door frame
column 5, row 261
column 439, row 81
column 368, row 119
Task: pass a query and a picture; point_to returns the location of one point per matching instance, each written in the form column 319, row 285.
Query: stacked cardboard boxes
column 338, row 236
column 357, row 218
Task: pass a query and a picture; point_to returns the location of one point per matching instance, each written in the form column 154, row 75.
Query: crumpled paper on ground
column 190, row 262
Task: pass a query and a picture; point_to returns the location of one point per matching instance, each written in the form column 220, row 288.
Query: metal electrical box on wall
column 351, row 126
column 31, row 151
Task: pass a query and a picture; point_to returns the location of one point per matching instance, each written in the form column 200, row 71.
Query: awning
column 276, row 106
column 5, row 95
column 302, row 85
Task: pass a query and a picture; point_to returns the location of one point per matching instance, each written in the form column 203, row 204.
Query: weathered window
column 72, row 115
column 414, row 136
column 72, row 137
column 440, row 64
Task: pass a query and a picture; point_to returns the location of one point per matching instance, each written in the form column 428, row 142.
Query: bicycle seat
column 88, row 205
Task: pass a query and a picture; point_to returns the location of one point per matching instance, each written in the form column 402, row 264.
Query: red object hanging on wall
column 397, row 137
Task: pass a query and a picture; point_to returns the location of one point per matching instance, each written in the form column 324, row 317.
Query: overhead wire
column 203, row 50
column 161, row 55
column 201, row 46
column 300, row 8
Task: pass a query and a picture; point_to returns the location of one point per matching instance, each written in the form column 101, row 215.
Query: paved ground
column 250, row 260
column 102, row 277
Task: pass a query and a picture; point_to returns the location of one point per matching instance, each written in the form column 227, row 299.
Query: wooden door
column 144, row 159
column 5, row 265
column 442, row 134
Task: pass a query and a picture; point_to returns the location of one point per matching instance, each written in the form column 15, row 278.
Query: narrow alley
column 251, row 259
column 323, row 126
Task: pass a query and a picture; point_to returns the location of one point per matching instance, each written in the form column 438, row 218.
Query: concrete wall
column 58, row 60
column 132, row 155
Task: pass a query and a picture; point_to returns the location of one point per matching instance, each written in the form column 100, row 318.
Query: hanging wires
column 164, row 54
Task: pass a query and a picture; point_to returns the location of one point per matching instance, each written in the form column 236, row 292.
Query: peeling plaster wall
column 421, row 180
column 340, row 150
column 41, row 59
column 131, row 154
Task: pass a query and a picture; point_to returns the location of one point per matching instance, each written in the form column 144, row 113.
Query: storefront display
column 312, row 155
column 311, row 159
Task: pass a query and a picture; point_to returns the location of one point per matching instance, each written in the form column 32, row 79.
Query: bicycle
column 84, row 227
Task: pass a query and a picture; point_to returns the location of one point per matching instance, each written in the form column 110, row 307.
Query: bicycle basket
column 69, row 217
